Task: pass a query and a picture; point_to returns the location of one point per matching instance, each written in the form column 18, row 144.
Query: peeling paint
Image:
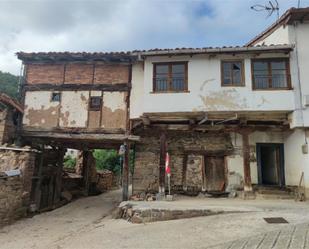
column 40, row 111
column 227, row 99
column 113, row 119
column 74, row 109
column 114, row 110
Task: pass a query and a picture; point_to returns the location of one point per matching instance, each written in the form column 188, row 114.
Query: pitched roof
column 289, row 17
column 131, row 56
column 76, row 56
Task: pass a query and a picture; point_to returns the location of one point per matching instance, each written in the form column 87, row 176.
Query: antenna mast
column 272, row 7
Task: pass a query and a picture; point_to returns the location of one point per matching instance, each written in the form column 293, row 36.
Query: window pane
column 279, row 79
column 278, row 73
column 236, row 73
column 161, row 84
column 178, row 77
column 260, row 73
column 261, row 65
column 232, row 74
column 278, row 65
column 161, row 78
column 162, row 69
column 227, row 70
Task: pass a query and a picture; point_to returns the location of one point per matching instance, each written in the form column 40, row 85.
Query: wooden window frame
column 98, row 108
column 269, row 60
column 170, row 64
column 242, row 74
column 52, row 97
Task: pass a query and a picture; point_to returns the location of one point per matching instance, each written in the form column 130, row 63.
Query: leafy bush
column 110, row 160
column 69, row 162
column 107, row 159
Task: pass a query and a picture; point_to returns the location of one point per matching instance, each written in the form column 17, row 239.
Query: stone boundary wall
column 15, row 191
column 12, row 200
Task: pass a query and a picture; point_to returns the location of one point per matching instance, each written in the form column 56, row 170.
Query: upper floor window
column 55, row 97
column 271, row 74
column 170, row 77
column 95, row 103
column 232, row 73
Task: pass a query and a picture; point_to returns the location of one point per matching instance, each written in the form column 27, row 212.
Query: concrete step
column 274, row 192
column 284, row 196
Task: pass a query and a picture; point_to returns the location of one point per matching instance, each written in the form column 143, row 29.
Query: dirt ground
column 86, row 223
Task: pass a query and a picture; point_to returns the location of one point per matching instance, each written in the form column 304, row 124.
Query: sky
column 123, row 25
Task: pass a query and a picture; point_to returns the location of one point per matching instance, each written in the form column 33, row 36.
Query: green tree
column 9, row 84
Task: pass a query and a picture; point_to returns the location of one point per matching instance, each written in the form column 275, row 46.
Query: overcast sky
column 121, row 25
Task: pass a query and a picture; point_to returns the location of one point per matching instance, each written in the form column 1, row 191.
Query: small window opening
column 56, row 97
column 95, row 103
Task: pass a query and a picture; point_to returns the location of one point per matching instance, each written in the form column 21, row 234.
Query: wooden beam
column 121, row 87
column 58, row 178
column 125, row 172
column 83, row 136
column 246, row 161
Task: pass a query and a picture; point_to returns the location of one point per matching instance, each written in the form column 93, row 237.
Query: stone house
column 217, row 111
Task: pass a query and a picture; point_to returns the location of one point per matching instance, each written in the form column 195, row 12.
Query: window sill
column 233, row 85
column 273, row 89
column 186, row 91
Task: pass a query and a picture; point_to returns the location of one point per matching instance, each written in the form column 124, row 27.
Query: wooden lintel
column 121, row 87
column 82, row 136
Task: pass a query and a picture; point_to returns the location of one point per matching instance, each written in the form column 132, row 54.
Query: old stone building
column 218, row 112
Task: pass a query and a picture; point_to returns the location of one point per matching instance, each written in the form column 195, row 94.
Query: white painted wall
column 74, row 109
column 137, row 91
column 295, row 161
column 279, row 36
column 205, row 91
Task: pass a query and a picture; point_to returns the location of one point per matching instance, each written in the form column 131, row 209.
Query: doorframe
column 281, row 162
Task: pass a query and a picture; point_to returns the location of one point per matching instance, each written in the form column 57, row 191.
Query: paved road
column 294, row 237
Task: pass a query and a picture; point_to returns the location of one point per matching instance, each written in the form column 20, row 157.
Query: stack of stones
column 12, row 202
column 15, row 190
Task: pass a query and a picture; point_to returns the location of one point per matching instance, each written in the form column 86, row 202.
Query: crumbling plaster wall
column 15, row 191
column 147, row 158
column 72, row 110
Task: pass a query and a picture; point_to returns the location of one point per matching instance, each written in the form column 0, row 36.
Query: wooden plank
column 121, row 87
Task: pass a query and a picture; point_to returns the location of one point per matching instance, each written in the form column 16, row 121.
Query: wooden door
column 215, row 173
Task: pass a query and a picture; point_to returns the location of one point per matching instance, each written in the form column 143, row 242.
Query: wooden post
column 86, row 171
column 58, row 181
column 38, row 191
column 125, row 172
column 162, row 163
column 246, row 158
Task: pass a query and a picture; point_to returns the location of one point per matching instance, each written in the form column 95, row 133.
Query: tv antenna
column 272, row 7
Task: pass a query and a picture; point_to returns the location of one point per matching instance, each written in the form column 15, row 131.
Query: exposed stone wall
column 15, row 191
column 80, row 73
column 180, row 143
column 7, row 128
column 12, row 200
